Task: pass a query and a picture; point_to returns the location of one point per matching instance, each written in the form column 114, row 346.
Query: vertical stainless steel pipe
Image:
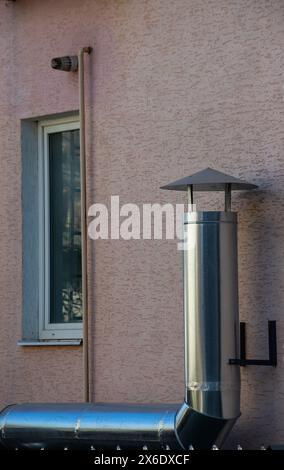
column 211, row 313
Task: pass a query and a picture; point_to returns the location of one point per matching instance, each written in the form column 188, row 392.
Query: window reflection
column 65, row 228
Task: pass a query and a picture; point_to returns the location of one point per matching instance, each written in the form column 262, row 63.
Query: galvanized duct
column 212, row 385
column 109, row 426
column 212, row 388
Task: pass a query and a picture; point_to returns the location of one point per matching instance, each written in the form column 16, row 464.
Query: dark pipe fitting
column 66, row 63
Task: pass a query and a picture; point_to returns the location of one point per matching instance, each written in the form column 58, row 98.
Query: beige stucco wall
column 173, row 87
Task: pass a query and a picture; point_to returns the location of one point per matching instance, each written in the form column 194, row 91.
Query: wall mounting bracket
column 272, row 345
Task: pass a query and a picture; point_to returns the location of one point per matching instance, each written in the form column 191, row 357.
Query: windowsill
column 51, row 342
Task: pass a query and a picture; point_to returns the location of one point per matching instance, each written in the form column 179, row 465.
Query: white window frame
column 49, row 330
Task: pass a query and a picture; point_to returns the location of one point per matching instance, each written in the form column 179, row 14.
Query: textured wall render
column 173, row 87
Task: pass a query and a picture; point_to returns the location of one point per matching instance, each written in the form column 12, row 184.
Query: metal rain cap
column 209, row 180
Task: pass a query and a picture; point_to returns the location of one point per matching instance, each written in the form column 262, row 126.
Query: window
column 60, row 271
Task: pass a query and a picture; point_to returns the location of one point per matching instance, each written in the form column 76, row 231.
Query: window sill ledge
column 52, row 342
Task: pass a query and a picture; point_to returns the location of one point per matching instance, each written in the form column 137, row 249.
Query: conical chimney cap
column 208, row 180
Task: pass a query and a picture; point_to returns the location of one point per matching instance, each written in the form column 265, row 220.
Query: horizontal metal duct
column 109, row 426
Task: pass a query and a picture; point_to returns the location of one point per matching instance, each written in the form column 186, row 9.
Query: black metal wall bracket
column 272, row 345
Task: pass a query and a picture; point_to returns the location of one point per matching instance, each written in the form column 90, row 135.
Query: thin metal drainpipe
column 82, row 51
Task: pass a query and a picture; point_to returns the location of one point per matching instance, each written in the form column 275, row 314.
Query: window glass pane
column 65, row 227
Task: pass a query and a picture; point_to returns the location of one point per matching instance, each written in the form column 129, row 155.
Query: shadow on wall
column 260, row 265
